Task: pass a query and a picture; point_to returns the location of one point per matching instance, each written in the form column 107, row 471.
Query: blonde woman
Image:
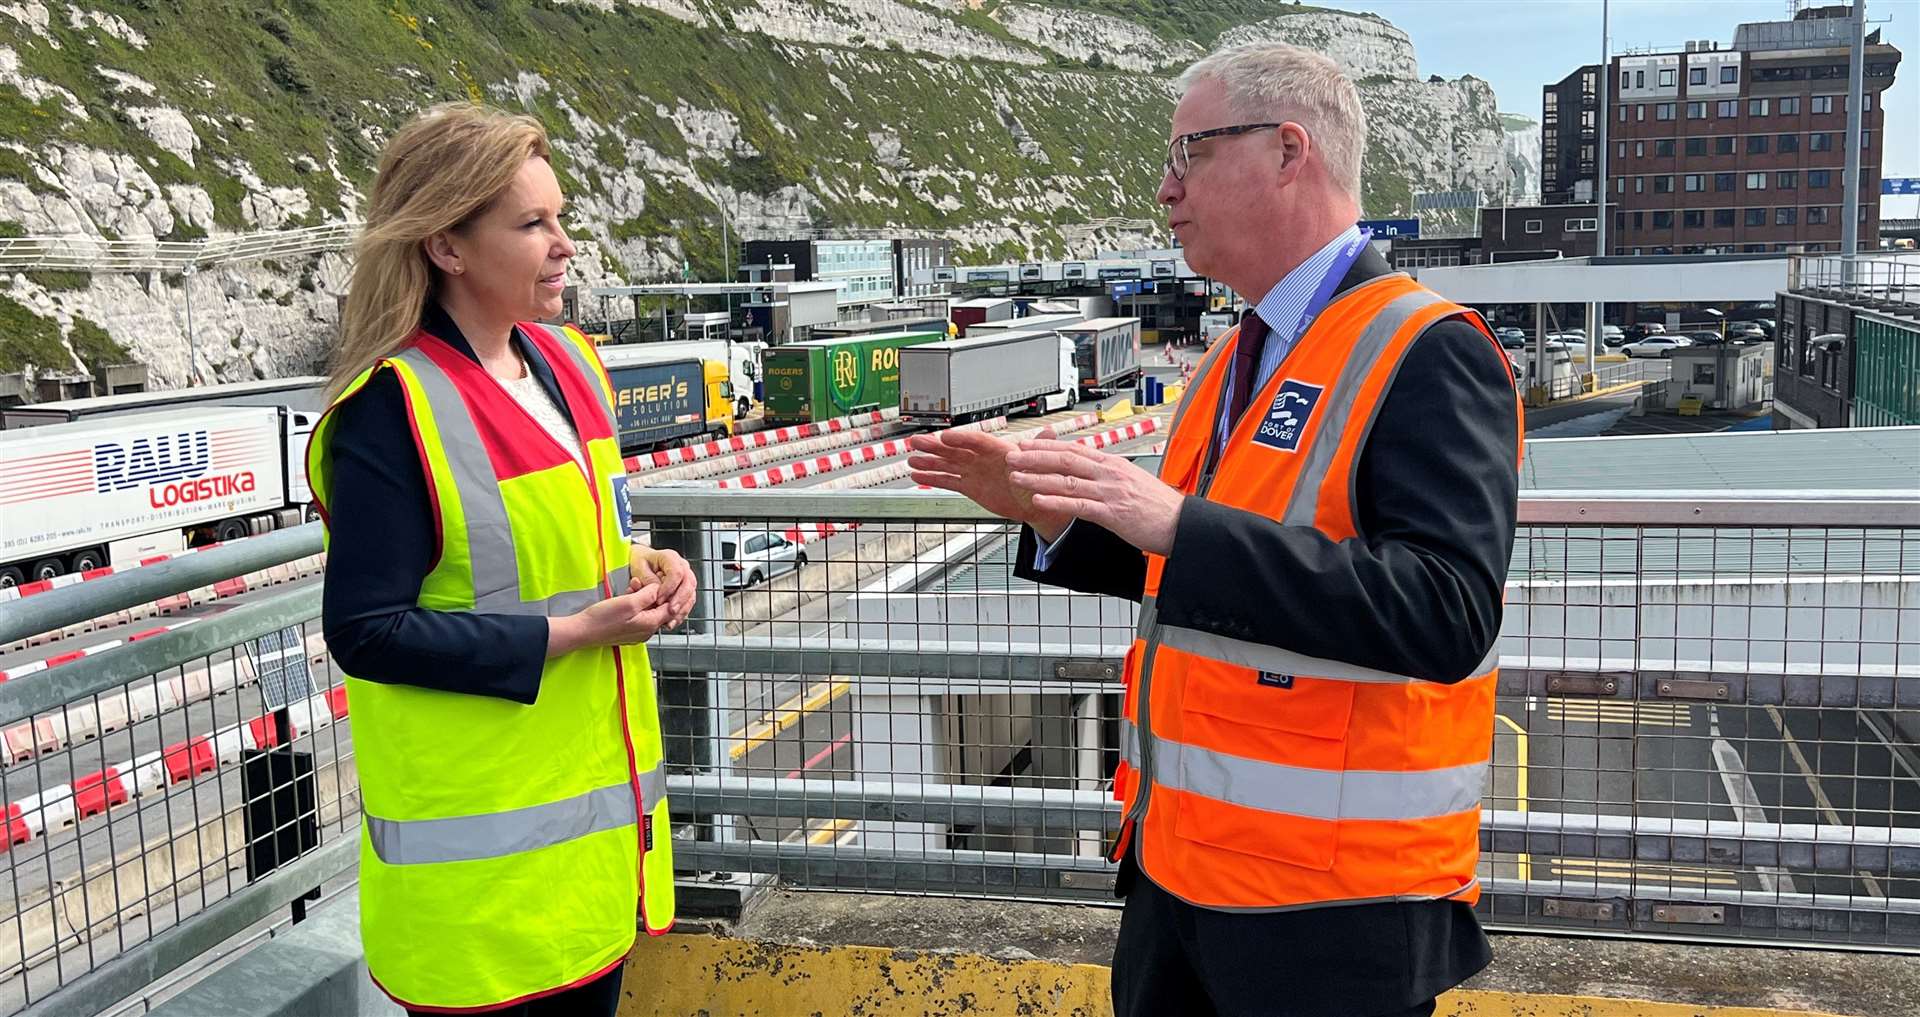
column 482, row 598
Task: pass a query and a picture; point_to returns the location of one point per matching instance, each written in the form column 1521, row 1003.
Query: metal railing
column 1705, row 716
column 78, row 253
column 1887, row 282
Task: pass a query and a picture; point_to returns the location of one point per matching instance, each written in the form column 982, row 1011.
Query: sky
column 1521, row 45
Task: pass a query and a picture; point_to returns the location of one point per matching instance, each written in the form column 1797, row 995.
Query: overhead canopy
column 1611, row 280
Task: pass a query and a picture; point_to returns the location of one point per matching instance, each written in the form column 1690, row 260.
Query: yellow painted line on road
column 1524, row 862
column 786, row 715
column 1598, row 869
column 1819, row 792
column 1637, row 714
column 830, row 831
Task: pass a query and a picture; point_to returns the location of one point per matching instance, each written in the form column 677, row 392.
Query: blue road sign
column 1900, row 185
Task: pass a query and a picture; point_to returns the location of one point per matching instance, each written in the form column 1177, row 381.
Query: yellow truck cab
column 719, row 397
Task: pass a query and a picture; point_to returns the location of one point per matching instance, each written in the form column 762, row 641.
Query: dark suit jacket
column 1417, row 593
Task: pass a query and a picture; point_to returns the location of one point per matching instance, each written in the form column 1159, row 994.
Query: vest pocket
column 1317, row 708
column 1293, row 840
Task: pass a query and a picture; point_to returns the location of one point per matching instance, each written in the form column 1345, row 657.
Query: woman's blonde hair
column 439, row 172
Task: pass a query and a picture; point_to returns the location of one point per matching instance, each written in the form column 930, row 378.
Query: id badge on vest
column 622, row 510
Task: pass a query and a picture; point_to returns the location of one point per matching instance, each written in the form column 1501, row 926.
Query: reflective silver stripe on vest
column 1319, row 794
column 489, row 534
column 1275, row 660
column 587, row 372
column 499, row 834
column 1303, row 505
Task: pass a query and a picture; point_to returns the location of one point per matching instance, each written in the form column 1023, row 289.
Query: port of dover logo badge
column 1287, row 418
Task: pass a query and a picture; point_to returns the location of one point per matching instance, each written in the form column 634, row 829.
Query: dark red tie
column 1246, row 363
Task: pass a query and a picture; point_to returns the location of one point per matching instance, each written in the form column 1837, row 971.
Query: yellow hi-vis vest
column 504, row 845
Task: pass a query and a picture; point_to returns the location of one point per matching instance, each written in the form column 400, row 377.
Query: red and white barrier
column 1134, row 430
column 272, row 576
column 807, row 533
column 839, row 460
column 21, row 671
column 71, row 578
column 56, row 808
column 753, row 440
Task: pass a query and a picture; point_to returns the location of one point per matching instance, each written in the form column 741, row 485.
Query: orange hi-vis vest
column 1255, row 778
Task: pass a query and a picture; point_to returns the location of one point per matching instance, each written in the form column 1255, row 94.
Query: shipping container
column 301, row 393
column 1107, row 351
column 826, row 378
column 93, row 493
column 979, row 309
column 657, row 403
column 982, row 376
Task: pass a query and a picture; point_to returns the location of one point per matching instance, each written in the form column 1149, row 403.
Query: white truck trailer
column 80, row 496
column 1030, row 323
column 982, row 376
column 1107, row 351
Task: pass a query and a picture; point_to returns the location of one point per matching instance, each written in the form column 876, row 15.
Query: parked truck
column 825, row 378
column 84, row 495
column 301, row 393
column 967, row 313
column 742, row 358
column 1030, row 323
column 982, row 376
column 1107, row 352
column 658, row 401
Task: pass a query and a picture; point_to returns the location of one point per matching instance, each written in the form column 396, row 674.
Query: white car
column 751, row 558
column 1656, row 346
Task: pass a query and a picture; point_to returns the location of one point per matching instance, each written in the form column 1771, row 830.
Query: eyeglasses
column 1177, row 158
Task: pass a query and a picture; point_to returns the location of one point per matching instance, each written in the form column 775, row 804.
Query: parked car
column 1706, row 337
column 1635, row 333
column 1746, row 330
column 1511, row 338
column 1655, row 346
column 751, row 558
column 1613, row 336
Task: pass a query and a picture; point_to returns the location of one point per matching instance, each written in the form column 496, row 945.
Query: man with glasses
column 1320, row 562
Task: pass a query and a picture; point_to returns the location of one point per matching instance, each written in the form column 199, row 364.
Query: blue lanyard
column 1322, row 293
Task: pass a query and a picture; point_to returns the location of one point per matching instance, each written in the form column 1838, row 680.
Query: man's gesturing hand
column 1063, row 478
column 974, row 463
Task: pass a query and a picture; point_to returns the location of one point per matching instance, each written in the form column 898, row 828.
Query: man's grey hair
column 1272, row 81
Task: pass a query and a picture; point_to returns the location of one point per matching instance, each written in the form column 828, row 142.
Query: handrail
column 80, row 253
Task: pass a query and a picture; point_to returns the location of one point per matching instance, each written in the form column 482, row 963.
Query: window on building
column 1823, row 104
column 1756, row 217
column 1789, row 105
column 1693, row 219
column 1819, row 142
column 1756, row 181
column 1663, row 184
column 1663, row 148
column 1668, row 75
column 1639, row 220
column 1626, row 80
column 1639, row 79
column 1619, row 185
column 1786, row 216
column 1754, row 248
column 1663, row 111
column 1663, row 220
column 1819, row 179
column 1723, row 217
column 1756, row 107
column 1696, row 75
column 1582, row 225
column 1623, row 113
column 1639, row 185
column 1864, row 209
column 1883, row 69
column 1724, row 181
column 1816, row 215
column 1866, row 102
column 1827, row 72
column 1816, row 248
column 1727, row 109
column 1866, row 140
column 1786, row 143
column 1639, row 149
column 1533, row 225
column 1620, row 150
column 1619, row 222
column 1786, row 180
column 1756, row 144
column 1696, row 146
column 1723, row 146
column 1694, row 182
column 1729, row 75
